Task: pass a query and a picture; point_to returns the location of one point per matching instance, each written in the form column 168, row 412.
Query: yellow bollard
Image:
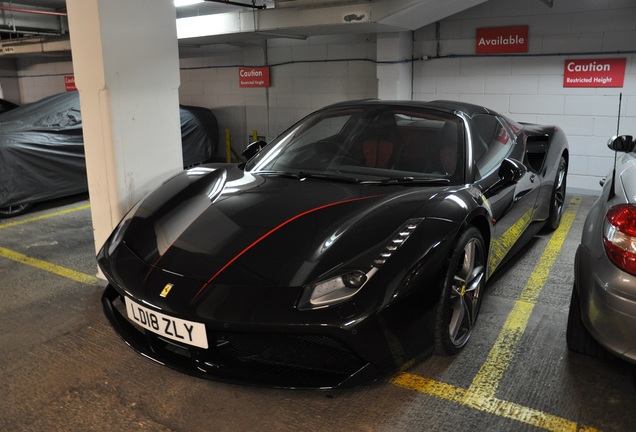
column 228, row 146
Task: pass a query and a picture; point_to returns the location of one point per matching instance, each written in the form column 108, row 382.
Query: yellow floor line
column 494, row 406
column 47, row 266
column 488, row 378
column 44, row 216
column 481, row 393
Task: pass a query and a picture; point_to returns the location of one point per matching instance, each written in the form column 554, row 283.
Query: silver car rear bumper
column 608, row 302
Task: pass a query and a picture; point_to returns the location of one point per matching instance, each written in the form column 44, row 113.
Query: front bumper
column 608, row 302
column 275, row 359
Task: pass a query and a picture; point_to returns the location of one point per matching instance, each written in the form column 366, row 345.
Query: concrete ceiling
column 303, row 18
column 39, row 27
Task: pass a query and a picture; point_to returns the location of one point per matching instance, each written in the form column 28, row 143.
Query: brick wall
column 530, row 88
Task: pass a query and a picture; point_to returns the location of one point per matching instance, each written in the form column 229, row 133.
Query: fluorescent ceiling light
column 179, row 3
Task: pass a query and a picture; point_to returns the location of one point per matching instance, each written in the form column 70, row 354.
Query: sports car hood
column 221, row 225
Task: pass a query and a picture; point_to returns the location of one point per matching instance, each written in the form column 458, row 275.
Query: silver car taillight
column 619, row 236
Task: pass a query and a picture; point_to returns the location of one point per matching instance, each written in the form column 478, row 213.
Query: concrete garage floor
column 62, row 367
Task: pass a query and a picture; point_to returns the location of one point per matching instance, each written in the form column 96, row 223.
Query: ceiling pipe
column 233, row 3
column 33, row 11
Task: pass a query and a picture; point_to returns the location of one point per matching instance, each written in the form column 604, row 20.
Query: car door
column 512, row 205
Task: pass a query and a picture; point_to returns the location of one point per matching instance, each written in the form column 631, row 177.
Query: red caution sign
column 496, row 40
column 254, row 77
column 594, row 72
column 69, row 83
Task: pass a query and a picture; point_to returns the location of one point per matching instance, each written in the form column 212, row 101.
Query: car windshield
column 369, row 144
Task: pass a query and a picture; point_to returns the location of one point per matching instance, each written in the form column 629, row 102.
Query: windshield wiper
column 279, row 173
column 302, row 175
column 407, row 181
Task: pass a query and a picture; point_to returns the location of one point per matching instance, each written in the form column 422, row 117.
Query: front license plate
column 188, row 332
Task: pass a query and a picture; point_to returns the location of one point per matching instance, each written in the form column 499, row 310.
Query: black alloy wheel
column 557, row 200
column 461, row 293
column 14, row 210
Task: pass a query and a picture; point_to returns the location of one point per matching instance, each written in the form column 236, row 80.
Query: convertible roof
column 442, row 105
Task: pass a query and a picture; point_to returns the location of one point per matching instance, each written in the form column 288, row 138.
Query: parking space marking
column 44, row 216
column 493, row 405
column 44, row 265
column 500, row 246
column 487, row 380
column 49, row 267
column 481, row 393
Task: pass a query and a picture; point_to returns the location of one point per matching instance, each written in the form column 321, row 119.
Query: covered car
column 352, row 245
column 42, row 149
column 602, row 314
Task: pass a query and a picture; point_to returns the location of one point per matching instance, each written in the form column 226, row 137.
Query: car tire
column 577, row 336
column 460, row 299
column 15, row 210
column 557, row 199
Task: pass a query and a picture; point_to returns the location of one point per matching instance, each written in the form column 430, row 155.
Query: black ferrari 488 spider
column 352, row 245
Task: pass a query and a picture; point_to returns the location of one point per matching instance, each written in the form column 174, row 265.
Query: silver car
column 602, row 316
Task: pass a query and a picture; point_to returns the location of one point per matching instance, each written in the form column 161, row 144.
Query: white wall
column 530, row 88
column 305, row 75
column 308, row 74
column 42, row 76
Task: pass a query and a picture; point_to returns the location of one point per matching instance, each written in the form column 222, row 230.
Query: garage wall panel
column 326, row 70
column 604, row 105
column 530, row 87
column 278, row 54
column 591, row 146
column 467, row 84
column 492, row 67
column 578, row 165
column 41, row 77
column 522, row 84
column 309, row 52
column 440, row 67
column 522, row 65
column 598, row 21
column 540, row 104
column 590, row 42
column 620, row 41
column 344, row 51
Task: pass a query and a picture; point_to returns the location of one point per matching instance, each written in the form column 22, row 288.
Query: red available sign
column 496, row 40
column 594, row 72
column 254, row 77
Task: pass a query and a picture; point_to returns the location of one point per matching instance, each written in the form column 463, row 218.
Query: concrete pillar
column 126, row 65
column 395, row 80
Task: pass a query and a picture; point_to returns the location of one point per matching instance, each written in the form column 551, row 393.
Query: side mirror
column 253, row 149
column 511, row 171
column 623, row 143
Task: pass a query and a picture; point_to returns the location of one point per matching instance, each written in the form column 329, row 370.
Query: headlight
column 344, row 286
column 339, row 288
